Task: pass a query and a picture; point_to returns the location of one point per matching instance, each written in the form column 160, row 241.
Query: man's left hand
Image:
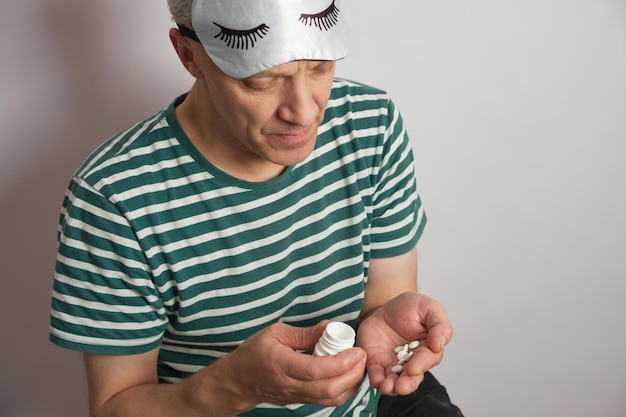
column 405, row 318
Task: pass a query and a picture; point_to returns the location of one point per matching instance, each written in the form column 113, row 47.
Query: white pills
column 404, row 353
column 397, row 369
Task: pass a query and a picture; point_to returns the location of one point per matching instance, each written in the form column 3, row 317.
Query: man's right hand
column 267, row 368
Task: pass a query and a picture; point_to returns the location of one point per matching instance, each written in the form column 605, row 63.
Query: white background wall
column 517, row 112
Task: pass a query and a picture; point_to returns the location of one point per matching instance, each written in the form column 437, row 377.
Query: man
column 203, row 251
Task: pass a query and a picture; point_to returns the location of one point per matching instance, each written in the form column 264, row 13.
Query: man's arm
column 393, row 314
column 265, row 368
column 127, row 385
column 388, row 278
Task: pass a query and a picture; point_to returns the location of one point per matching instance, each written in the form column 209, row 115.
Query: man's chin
column 291, row 153
column 291, row 158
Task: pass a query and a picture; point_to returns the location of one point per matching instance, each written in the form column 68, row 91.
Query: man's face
column 269, row 118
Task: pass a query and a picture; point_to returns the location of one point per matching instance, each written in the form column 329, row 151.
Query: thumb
column 303, row 338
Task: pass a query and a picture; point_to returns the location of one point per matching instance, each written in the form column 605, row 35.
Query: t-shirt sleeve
column 104, row 299
column 398, row 216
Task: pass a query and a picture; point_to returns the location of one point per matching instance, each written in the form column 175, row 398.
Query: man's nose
column 299, row 106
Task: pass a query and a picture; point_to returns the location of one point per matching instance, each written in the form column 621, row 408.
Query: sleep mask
column 245, row 37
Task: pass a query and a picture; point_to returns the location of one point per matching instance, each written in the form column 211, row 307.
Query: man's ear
column 185, row 52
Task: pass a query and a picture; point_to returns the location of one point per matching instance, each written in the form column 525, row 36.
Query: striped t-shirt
column 159, row 248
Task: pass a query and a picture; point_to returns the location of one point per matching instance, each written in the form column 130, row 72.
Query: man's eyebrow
column 274, row 73
column 268, row 73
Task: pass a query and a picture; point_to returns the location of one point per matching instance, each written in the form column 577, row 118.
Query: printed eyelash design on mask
column 323, row 20
column 241, row 39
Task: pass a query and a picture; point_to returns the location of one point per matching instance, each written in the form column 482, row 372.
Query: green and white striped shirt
column 157, row 247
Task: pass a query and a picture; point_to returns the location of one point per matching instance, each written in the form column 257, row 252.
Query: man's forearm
column 204, row 394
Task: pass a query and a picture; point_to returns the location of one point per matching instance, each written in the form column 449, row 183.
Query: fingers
column 407, row 381
column 377, row 374
column 307, row 368
column 303, row 367
column 391, row 383
column 298, row 338
column 439, row 328
column 405, row 385
column 423, row 360
column 327, row 380
column 286, row 376
column 347, row 370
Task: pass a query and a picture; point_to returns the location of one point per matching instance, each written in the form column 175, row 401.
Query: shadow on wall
column 66, row 88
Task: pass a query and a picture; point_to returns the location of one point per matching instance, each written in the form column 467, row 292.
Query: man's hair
column 180, row 11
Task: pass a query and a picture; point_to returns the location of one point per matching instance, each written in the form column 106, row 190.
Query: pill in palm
column 397, row 369
column 405, row 359
column 401, row 348
column 403, row 354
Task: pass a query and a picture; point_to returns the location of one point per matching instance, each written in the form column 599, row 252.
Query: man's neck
column 192, row 117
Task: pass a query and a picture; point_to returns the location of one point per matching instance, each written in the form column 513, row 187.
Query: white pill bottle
column 337, row 337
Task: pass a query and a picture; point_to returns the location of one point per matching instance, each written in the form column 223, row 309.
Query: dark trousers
column 430, row 400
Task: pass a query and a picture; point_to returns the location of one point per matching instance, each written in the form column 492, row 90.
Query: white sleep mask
column 245, row 37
